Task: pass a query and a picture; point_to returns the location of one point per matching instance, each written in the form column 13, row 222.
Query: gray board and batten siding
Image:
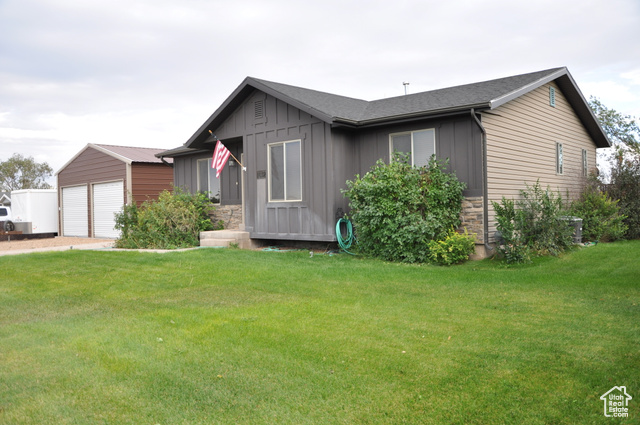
column 259, row 121
column 340, row 137
column 330, row 157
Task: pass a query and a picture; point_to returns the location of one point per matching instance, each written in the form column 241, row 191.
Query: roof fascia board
column 571, row 90
column 228, row 101
column 412, row 117
column 234, row 98
column 73, row 159
column 527, row 88
column 192, row 151
column 585, row 113
column 113, row 154
column 98, row 148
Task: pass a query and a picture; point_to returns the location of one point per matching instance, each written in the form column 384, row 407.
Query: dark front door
column 231, row 180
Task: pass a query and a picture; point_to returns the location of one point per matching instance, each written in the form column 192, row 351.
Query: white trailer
column 35, row 210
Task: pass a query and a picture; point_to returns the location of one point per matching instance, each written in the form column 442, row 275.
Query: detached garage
column 100, row 179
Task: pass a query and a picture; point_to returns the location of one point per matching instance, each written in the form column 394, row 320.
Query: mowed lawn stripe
column 230, row 336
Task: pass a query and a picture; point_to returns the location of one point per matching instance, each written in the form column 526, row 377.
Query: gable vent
column 258, row 109
column 552, row 96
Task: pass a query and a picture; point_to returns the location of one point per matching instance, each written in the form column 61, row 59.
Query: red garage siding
column 149, row 180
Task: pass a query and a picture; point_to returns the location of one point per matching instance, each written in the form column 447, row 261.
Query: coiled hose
column 345, row 242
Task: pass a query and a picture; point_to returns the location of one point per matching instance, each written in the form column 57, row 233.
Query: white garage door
column 75, row 221
column 108, row 199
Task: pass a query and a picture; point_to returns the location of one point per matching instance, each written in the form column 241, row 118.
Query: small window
column 552, row 96
column 585, row 163
column 3, row 212
column 207, row 181
column 420, row 145
column 285, row 171
column 559, row 159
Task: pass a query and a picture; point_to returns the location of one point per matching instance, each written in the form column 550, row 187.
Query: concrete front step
column 224, row 238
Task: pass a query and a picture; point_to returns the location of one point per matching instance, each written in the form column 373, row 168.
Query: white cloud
column 149, row 72
column 632, row 77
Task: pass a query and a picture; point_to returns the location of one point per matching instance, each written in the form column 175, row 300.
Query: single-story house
column 300, row 146
column 100, row 179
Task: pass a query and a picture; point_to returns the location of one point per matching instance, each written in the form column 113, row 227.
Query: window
column 285, row 171
column 207, row 181
column 420, row 145
column 585, row 163
column 559, row 158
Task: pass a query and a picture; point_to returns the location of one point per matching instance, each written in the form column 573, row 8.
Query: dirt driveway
column 52, row 244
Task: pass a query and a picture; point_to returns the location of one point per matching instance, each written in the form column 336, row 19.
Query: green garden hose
column 345, row 243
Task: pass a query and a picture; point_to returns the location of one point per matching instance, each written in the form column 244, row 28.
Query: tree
column 19, row 172
column 622, row 130
column 624, row 183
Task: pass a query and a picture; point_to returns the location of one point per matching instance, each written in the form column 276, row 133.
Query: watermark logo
column 616, row 402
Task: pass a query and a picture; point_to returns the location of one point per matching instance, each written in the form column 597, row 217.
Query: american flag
column 220, row 158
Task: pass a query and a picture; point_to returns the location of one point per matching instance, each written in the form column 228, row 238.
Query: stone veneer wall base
column 230, row 215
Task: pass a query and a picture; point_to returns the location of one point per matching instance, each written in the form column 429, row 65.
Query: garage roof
column 128, row 154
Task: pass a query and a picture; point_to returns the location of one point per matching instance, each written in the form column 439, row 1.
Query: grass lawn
column 239, row 337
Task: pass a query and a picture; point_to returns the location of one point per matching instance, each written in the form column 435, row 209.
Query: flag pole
column 232, row 155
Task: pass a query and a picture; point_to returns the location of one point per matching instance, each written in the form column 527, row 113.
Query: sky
column 148, row 73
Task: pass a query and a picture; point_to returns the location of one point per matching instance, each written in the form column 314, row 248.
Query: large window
column 285, row 171
column 420, row 145
column 559, row 159
column 207, row 181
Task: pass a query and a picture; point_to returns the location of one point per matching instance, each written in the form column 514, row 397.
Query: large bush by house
column 174, row 220
column 397, row 209
column 601, row 217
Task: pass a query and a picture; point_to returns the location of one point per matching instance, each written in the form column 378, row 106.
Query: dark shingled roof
column 341, row 108
column 346, row 111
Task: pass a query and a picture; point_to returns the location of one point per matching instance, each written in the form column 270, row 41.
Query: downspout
column 485, row 190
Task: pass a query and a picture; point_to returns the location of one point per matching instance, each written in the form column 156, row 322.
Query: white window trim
column 559, row 158
column 412, row 148
column 585, row 163
column 209, row 171
column 284, row 150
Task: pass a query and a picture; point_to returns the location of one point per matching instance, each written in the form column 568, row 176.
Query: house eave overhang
column 402, row 118
column 180, row 151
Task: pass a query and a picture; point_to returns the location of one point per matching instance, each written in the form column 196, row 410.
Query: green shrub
column 174, row 220
column 625, row 186
column 545, row 227
column 126, row 221
column 454, row 249
column 397, row 208
column 508, row 222
column 601, row 218
column 535, row 223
